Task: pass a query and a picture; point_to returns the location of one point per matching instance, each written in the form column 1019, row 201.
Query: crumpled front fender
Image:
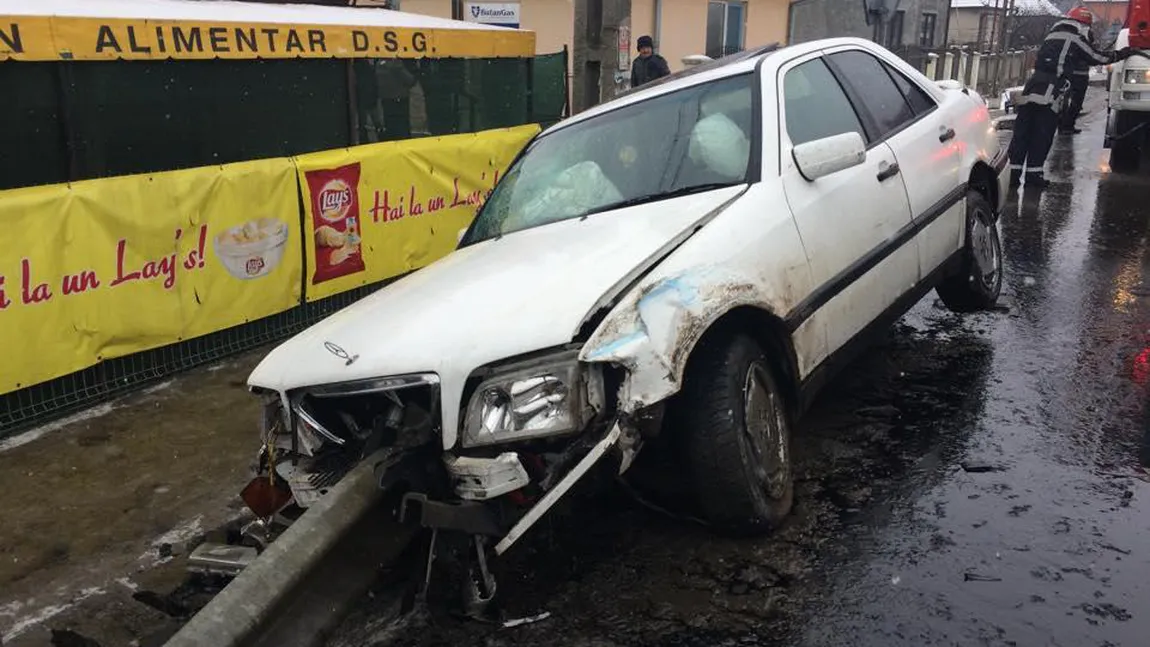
column 652, row 332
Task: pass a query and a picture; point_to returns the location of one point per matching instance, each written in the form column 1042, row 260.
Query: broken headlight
column 545, row 397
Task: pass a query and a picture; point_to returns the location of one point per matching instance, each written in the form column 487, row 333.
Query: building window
column 726, row 23
column 926, row 37
column 888, row 33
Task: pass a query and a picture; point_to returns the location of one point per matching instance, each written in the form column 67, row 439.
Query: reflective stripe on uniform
column 1044, row 99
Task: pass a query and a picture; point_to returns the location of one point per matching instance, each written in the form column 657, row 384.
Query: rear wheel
column 977, row 285
column 734, row 436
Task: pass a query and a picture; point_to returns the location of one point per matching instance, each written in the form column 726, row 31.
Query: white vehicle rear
column 1128, row 109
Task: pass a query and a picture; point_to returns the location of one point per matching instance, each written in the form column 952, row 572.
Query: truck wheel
column 735, row 436
column 977, row 285
column 1124, row 155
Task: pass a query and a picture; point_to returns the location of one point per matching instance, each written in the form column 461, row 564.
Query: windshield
column 686, row 141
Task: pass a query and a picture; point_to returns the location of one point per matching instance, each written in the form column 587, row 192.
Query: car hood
column 524, row 292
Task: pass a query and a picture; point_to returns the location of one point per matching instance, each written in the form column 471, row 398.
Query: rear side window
column 815, row 104
column 919, row 100
column 875, row 89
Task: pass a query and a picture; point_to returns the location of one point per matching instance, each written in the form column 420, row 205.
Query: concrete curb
column 249, row 603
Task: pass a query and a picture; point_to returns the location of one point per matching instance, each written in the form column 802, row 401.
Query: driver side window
column 815, row 104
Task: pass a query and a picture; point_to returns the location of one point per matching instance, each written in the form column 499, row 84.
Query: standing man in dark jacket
column 1066, row 48
column 649, row 65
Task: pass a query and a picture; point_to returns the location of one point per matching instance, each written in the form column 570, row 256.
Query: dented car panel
column 720, row 269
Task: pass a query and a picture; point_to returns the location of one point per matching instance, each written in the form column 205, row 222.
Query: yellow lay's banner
column 51, row 38
column 106, row 268
column 377, row 211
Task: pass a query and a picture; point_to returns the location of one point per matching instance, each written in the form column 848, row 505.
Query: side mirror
column 829, row 155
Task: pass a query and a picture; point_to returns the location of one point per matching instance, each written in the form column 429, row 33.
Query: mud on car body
column 690, row 261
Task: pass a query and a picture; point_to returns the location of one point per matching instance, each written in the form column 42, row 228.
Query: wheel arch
column 772, row 335
column 657, row 332
column 984, row 181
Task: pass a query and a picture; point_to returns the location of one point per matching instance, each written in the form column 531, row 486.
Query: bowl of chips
column 253, row 249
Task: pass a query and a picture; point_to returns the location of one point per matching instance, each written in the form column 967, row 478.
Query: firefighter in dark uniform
column 1079, row 82
column 1066, row 48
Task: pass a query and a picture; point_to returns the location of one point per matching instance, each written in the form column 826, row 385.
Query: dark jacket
column 1065, row 50
column 644, row 70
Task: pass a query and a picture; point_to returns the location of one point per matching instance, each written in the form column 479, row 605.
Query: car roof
column 771, row 57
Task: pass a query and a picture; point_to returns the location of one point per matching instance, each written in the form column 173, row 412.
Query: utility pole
column 602, row 50
column 1006, row 19
column 996, row 18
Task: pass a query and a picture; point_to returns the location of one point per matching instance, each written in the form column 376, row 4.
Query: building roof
column 1023, row 7
column 236, row 12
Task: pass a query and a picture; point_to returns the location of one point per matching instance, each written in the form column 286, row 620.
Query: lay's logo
column 334, row 200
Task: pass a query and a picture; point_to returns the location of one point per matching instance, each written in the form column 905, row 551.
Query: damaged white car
column 692, row 260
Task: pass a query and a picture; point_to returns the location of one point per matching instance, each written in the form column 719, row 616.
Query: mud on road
column 101, row 509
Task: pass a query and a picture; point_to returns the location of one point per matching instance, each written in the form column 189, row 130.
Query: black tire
column 740, row 487
column 1125, row 153
column 972, row 289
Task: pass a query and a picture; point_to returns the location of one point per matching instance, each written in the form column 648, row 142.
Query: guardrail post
column 963, row 72
column 931, row 66
column 948, row 65
column 975, row 65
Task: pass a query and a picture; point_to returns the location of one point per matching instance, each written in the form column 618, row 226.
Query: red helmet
column 1082, row 15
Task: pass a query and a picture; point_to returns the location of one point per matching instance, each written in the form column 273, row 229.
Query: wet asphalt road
column 970, row 481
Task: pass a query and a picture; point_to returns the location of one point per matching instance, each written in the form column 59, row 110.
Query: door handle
column 888, row 172
column 946, row 135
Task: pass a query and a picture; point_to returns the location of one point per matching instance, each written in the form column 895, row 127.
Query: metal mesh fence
column 86, row 119
column 83, row 120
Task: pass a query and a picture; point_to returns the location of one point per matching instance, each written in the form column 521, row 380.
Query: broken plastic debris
column 975, row 577
column 516, row 622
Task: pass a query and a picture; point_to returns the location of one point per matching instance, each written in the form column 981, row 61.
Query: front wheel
column 977, row 285
column 734, row 436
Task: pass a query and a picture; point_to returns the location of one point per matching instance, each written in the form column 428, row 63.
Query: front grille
column 359, row 420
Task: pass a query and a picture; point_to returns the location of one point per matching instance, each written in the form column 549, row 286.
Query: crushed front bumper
column 477, row 481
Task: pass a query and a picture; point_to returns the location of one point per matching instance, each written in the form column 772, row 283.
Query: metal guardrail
column 305, row 581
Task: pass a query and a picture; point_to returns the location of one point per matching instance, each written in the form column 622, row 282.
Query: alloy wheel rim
column 987, row 257
column 765, row 431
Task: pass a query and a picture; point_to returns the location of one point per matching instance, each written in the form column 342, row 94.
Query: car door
column 922, row 135
column 847, row 220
